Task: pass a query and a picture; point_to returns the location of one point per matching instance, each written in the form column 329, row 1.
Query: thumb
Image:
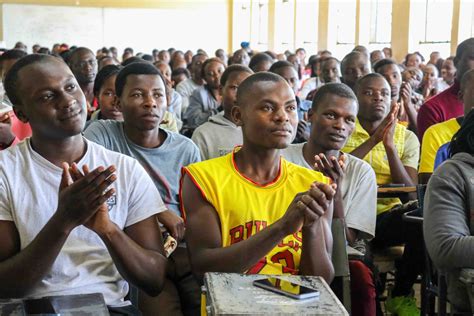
column 66, row 179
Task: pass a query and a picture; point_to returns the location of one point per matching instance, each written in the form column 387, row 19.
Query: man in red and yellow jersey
column 251, row 210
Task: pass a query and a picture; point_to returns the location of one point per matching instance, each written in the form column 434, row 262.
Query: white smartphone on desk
column 286, row 288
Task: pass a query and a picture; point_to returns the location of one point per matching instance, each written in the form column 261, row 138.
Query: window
column 380, row 21
column 306, row 34
column 242, row 22
column 344, row 12
column 259, row 25
column 437, row 16
column 284, row 25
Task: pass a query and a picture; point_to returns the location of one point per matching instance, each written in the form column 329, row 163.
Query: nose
column 67, row 100
column 149, row 101
column 378, row 96
column 281, row 115
column 339, row 124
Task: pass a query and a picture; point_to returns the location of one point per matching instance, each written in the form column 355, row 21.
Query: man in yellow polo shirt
column 439, row 134
column 249, row 211
column 393, row 153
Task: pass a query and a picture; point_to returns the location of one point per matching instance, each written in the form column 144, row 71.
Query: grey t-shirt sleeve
column 361, row 204
column 445, row 225
column 97, row 133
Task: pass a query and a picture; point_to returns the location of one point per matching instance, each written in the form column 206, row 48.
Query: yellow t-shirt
column 245, row 208
column 408, row 149
column 436, row 136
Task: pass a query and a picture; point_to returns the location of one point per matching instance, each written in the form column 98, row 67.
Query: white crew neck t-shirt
column 29, row 186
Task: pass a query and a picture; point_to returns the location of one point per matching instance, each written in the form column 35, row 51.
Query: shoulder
column 358, row 164
column 104, row 125
column 177, row 139
column 410, row 138
column 293, row 153
column 13, row 154
column 304, row 174
column 104, row 155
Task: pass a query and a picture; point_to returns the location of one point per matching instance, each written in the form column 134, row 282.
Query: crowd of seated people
column 149, row 170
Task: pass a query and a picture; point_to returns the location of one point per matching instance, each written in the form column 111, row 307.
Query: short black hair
column 208, row 61
column 180, row 71
column 76, row 51
column 137, row 68
column 259, row 58
column 147, row 57
column 11, row 82
column 370, row 76
column 281, row 64
column 104, row 74
column 324, row 60
column 339, row 89
column 383, row 62
column 231, row 69
column 128, row 50
column 131, row 60
column 13, row 54
column 350, row 56
column 247, row 86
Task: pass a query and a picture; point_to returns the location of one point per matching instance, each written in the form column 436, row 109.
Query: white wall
column 203, row 27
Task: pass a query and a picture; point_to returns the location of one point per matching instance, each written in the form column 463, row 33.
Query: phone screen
column 287, row 288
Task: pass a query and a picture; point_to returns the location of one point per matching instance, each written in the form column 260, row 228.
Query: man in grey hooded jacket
column 220, row 135
column 449, row 214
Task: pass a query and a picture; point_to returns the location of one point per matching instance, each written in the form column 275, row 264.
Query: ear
column 221, row 89
column 236, row 113
column 20, row 114
column 310, row 114
column 117, row 103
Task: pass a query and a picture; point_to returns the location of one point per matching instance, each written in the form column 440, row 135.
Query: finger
column 75, row 172
column 101, row 187
column 328, row 190
column 102, row 198
column 310, row 217
column 95, row 177
column 315, row 207
column 66, row 179
column 327, row 164
column 85, row 168
column 337, row 166
column 319, row 196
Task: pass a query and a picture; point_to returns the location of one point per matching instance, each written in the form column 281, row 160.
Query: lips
column 337, row 137
column 284, row 132
column 70, row 115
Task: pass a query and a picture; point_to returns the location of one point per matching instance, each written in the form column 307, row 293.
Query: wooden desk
column 386, row 192
column 70, row 305
column 234, row 294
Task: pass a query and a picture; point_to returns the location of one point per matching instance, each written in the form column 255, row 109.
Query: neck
column 311, row 149
column 370, row 126
column 227, row 113
column 58, row 151
column 88, row 89
column 198, row 81
column 260, row 165
column 147, row 139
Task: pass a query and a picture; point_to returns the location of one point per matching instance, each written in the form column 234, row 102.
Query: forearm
column 316, row 251
column 397, row 169
column 412, row 119
column 240, row 256
column 21, row 272
column 362, row 151
column 142, row 267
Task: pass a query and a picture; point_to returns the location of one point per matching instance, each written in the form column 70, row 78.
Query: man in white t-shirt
column 65, row 229
column 332, row 116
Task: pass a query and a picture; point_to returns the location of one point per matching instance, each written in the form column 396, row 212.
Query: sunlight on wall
column 143, row 29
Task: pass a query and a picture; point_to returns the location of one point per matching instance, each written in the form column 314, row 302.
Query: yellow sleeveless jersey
column 245, row 208
column 377, row 158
